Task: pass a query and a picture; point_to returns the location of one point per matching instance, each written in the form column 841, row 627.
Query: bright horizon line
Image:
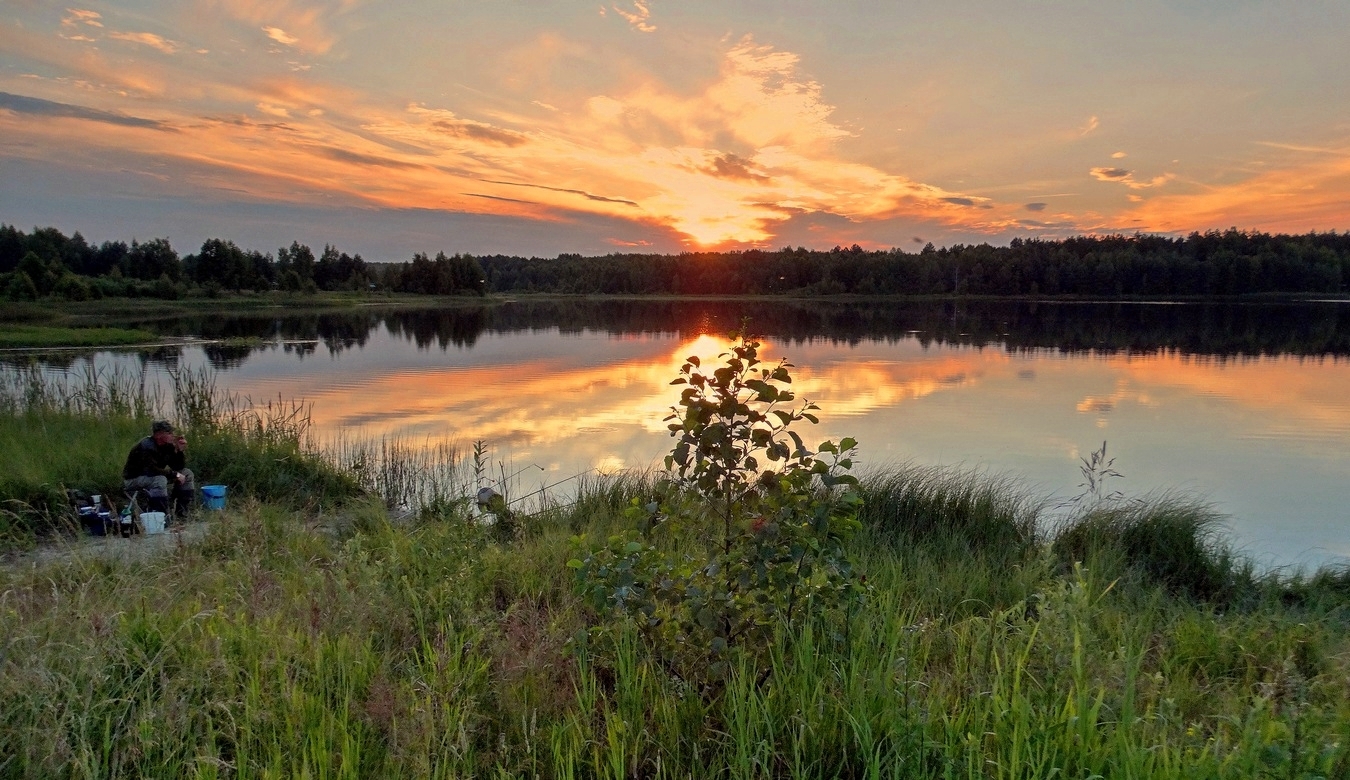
column 735, row 250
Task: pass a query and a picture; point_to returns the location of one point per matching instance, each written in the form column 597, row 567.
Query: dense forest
column 46, row 263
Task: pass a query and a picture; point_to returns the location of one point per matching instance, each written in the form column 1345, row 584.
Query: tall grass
column 406, row 474
column 427, row 649
column 963, row 512
column 72, row 431
column 1165, row 540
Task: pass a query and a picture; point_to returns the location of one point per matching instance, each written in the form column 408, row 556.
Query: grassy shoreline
column 309, row 632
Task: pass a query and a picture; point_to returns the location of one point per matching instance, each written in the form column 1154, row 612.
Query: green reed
column 1167, row 540
column 965, row 512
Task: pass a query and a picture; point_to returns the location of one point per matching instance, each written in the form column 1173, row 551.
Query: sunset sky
column 544, row 126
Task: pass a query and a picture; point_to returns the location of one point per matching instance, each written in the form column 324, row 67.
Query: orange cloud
column 147, row 39
column 1126, row 177
column 281, row 36
column 305, row 25
column 667, row 154
column 724, row 162
column 1311, row 194
column 83, row 65
column 638, row 17
column 77, row 16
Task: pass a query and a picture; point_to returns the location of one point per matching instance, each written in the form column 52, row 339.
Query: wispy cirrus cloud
column 79, row 25
column 582, row 193
column 1333, row 151
column 75, row 17
column 446, row 122
column 639, row 18
column 85, row 26
column 1126, row 177
column 308, row 26
column 148, row 39
column 729, row 166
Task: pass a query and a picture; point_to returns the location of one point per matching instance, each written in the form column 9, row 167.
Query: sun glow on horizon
column 634, row 123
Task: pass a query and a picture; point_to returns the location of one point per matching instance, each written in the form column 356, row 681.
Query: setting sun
column 664, row 128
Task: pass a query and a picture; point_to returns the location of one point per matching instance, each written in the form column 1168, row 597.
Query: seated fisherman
column 156, row 465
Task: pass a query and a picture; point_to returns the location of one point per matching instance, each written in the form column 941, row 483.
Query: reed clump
column 1168, row 541
column 965, row 512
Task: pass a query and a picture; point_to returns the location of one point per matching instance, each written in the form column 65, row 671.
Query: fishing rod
column 555, row 484
column 503, row 480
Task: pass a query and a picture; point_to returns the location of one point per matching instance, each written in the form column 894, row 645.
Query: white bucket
column 152, row 522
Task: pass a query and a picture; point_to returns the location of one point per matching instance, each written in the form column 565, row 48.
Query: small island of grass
column 15, row 336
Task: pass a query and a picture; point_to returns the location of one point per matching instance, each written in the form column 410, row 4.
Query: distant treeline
column 47, row 263
column 1202, row 264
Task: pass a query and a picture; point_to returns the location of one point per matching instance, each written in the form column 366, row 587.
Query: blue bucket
column 213, row 496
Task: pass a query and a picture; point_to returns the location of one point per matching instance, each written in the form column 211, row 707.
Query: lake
column 1246, row 406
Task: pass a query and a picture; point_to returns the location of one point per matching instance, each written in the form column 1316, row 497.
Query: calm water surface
column 1247, row 407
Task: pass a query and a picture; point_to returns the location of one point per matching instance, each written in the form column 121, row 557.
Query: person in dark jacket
column 158, row 465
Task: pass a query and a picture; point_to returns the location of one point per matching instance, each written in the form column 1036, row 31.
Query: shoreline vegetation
column 312, row 631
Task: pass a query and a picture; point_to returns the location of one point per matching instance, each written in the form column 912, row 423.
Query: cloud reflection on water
column 1263, row 438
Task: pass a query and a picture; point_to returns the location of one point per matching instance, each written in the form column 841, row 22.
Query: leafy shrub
column 746, row 538
column 21, row 287
column 72, row 288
